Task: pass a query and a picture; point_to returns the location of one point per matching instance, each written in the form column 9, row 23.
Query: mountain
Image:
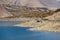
column 33, row 3
column 4, row 13
column 51, row 4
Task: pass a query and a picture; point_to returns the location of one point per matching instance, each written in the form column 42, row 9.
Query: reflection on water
column 21, row 33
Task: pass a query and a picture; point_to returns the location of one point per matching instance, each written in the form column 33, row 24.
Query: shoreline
column 52, row 24
column 47, row 27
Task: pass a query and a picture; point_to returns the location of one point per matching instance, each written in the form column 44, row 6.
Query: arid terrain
column 52, row 24
column 39, row 18
column 47, row 20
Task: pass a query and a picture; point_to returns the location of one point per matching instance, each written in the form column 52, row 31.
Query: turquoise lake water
column 21, row 33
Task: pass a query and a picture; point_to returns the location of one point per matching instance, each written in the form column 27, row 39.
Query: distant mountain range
column 25, row 4
column 33, row 3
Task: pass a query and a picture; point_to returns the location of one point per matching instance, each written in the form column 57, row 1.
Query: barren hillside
column 37, row 13
column 27, row 3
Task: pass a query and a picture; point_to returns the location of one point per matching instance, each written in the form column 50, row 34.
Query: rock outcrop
column 4, row 12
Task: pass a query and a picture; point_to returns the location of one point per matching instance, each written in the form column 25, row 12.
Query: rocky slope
column 11, row 8
column 4, row 13
column 52, row 24
column 27, row 9
column 24, row 11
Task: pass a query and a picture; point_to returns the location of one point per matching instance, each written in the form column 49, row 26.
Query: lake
column 21, row 33
column 10, row 23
